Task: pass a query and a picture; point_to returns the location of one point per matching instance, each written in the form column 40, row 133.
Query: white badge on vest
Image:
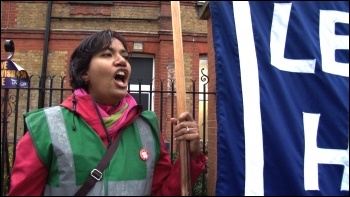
column 144, row 154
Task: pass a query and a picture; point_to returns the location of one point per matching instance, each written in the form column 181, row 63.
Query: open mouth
column 120, row 76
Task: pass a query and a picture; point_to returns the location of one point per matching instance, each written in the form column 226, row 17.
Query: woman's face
column 108, row 74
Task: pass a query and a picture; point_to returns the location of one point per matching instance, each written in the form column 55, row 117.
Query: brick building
column 45, row 33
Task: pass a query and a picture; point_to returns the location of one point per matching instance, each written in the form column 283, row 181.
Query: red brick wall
column 24, row 22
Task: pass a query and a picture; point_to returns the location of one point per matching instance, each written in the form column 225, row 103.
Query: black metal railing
column 16, row 101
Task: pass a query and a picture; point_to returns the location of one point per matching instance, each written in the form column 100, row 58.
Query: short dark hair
column 82, row 55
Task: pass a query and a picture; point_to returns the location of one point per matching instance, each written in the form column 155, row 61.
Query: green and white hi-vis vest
column 71, row 155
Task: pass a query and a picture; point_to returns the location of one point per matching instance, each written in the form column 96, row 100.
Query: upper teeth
column 120, row 73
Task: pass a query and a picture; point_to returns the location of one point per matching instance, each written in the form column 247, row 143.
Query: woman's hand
column 187, row 129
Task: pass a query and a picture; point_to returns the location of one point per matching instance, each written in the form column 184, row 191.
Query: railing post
column 9, row 47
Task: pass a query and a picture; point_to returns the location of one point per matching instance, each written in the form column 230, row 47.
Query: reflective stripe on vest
column 65, row 161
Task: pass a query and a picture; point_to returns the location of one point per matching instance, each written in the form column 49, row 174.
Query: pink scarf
column 113, row 117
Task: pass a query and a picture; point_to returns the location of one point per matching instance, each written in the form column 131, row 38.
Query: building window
column 203, row 98
column 141, row 77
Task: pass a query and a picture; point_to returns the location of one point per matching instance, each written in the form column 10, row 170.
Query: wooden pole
column 180, row 95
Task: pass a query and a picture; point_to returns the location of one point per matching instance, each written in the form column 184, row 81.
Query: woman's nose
column 120, row 61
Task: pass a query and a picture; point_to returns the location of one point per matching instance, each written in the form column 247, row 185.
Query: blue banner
column 13, row 75
column 282, row 87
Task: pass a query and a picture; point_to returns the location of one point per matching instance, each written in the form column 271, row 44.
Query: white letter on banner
column 254, row 153
column 279, row 29
column 314, row 155
column 329, row 42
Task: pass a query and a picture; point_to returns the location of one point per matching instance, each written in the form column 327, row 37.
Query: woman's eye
column 106, row 54
column 126, row 57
